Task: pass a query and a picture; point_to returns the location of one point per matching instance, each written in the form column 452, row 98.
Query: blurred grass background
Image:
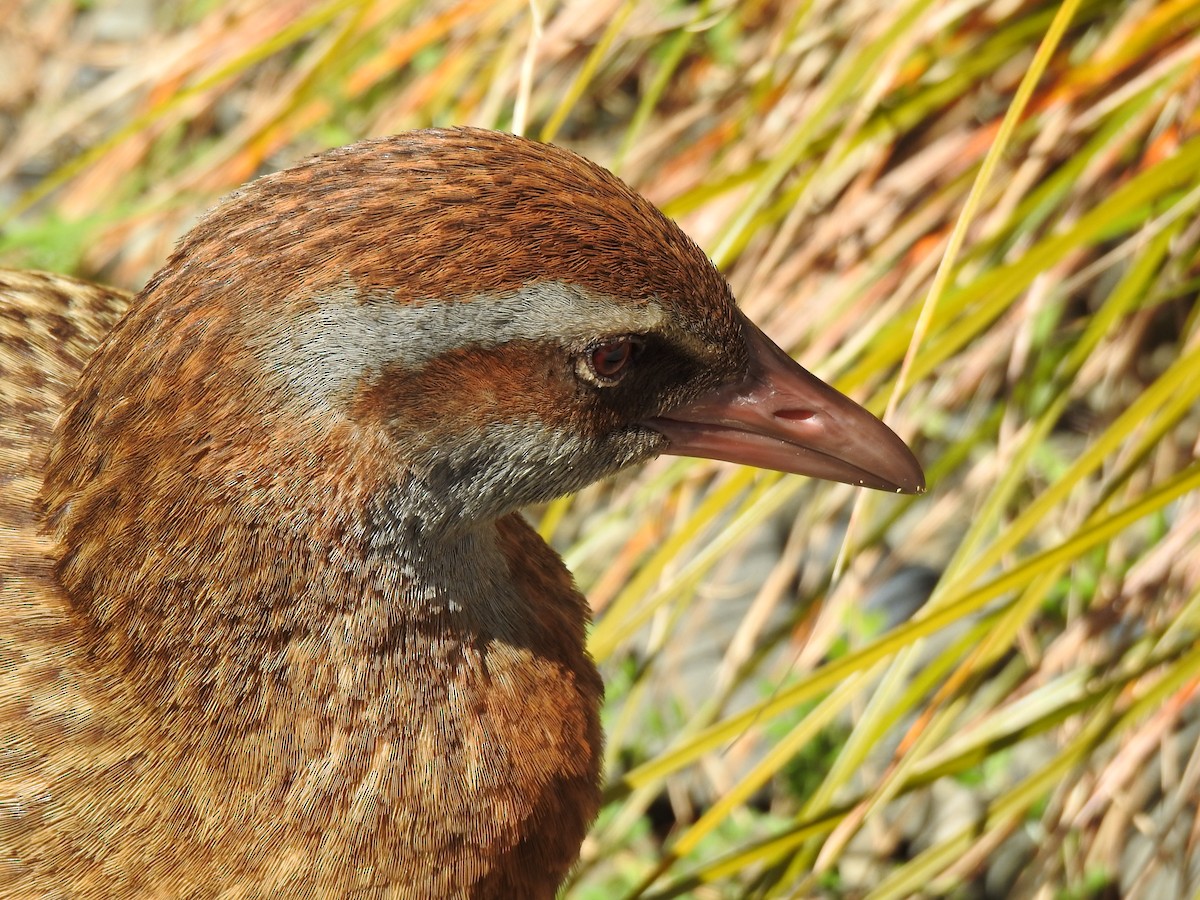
column 979, row 216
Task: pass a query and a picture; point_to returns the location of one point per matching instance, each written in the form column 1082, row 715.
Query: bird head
column 485, row 320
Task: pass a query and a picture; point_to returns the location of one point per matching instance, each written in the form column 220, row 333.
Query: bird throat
column 244, row 597
column 358, row 672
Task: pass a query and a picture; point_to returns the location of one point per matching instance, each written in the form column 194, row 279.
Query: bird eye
column 608, row 360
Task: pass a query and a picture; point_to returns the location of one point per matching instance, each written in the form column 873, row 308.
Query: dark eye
column 612, row 356
column 607, row 361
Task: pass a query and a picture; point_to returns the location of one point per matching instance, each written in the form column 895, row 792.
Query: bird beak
column 781, row 417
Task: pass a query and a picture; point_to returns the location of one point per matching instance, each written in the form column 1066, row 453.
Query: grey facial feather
column 324, row 352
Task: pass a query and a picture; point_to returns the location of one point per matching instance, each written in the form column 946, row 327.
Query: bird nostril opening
column 796, row 415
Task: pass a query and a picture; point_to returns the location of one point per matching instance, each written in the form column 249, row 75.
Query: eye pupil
column 612, row 356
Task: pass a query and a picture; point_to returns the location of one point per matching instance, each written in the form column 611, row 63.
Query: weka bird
column 271, row 625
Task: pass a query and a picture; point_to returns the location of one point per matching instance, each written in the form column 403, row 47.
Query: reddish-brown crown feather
column 448, row 214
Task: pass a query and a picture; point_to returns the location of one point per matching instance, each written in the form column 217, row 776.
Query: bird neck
column 283, row 582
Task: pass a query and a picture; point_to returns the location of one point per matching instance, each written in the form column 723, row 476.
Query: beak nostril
column 796, row 415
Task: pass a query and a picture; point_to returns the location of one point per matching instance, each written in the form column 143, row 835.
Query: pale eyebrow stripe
column 327, row 349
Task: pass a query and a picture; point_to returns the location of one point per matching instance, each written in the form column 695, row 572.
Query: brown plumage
column 270, row 625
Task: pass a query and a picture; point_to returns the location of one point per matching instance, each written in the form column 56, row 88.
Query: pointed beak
column 781, row 417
